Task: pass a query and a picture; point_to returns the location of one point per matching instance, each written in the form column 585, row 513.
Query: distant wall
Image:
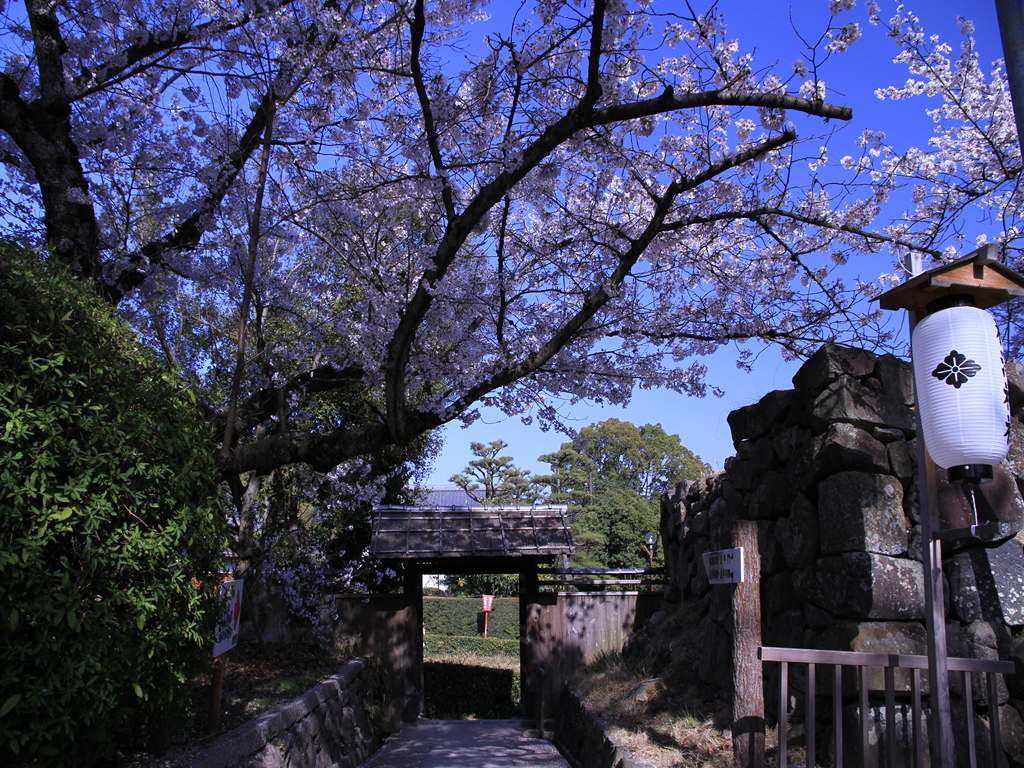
column 383, row 628
column 827, row 470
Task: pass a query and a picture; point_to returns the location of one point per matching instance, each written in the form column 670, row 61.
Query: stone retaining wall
column 339, row 722
column 580, row 734
column 827, row 470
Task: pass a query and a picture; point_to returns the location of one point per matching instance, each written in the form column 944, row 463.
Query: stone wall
column 827, row 471
column 581, row 736
column 339, row 722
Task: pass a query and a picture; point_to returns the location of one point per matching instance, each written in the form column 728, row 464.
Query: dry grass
column 666, row 727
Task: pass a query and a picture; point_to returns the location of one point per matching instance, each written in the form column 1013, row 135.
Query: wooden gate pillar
column 529, row 647
column 412, row 704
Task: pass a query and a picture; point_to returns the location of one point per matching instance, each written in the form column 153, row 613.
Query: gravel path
column 467, row 744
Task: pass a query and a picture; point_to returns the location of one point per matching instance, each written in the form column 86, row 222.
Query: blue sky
column 852, row 79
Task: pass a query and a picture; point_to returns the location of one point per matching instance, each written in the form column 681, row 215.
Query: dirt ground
column 665, row 726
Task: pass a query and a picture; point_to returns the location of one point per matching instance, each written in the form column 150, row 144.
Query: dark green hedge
column 461, row 690
column 462, row 616
column 443, row 645
column 109, row 523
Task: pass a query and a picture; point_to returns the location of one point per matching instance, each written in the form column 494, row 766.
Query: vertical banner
column 225, row 634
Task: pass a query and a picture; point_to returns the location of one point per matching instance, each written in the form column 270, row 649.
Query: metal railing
column 889, row 663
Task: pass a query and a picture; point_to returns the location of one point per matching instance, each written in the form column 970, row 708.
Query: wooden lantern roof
column 980, row 275
column 447, row 533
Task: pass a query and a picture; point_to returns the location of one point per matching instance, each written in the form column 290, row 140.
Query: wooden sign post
column 225, row 638
column 741, row 566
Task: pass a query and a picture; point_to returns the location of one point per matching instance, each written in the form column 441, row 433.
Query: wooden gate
column 573, row 617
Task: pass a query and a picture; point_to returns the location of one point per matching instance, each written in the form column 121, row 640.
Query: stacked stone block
column 827, row 470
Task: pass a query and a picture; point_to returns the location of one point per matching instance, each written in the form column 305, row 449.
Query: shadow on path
column 467, row 744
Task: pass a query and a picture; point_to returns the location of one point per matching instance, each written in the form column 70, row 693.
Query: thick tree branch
column 42, row 131
column 429, row 126
column 593, row 89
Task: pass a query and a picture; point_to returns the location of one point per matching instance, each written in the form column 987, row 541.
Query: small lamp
column 650, row 539
column 959, row 372
column 963, row 413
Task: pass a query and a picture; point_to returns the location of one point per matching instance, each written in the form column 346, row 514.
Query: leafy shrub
column 455, row 690
column 109, row 523
column 462, row 616
column 445, row 645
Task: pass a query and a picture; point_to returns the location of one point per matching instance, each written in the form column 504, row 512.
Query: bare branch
column 429, row 127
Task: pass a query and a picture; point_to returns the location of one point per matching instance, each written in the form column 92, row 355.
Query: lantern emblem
column 956, row 369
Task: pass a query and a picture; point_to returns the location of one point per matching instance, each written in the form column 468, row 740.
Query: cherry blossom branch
column 249, row 278
column 187, row 233
column 754, row 214
column 123, row 64
column 602, row 292
column 583, row 115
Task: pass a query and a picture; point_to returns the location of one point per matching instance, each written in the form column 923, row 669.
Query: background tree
column 609, row 532
column 644, row 459
column 500, row 584
column 494, row 479
column 611, row 474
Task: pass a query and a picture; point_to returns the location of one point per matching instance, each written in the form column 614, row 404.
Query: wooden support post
column 412, row 705
column 747, row 685
column 216, row 691
column 941, row 721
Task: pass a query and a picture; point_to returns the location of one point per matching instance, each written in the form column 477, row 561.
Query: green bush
column 453, row 690
column 447, row 645
column 462, row 616
column 109, row 524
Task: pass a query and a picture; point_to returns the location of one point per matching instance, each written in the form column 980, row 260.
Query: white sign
column 225, row 634
column 724, row 566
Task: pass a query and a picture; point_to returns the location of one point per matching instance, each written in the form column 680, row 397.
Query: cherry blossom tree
column 349, row 222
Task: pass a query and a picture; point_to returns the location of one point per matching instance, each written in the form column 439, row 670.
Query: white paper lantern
column 961, row 387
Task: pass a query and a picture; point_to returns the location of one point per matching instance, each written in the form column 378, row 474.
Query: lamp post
column 650, row 539
column 962, row 421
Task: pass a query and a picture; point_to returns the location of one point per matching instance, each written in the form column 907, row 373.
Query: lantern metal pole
column 941, row 730
column 1011, row 28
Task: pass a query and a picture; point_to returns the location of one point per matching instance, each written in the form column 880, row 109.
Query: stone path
column 466, row 744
